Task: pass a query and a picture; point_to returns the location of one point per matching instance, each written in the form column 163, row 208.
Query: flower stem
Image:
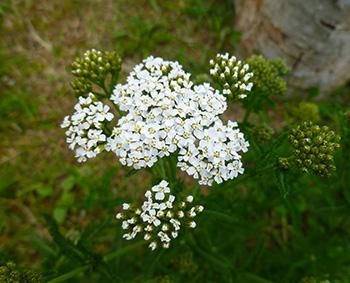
column 103, row 86
column 114, row 79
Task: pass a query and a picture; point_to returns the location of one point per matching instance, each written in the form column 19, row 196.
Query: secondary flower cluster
column 86, row 127
column 215, row 157
column 160, row 217
column 93, row 67
column 314, row 147
column 232, row 75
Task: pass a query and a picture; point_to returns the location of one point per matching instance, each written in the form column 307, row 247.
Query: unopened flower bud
column 317, row 150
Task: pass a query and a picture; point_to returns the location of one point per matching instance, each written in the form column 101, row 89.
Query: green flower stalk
column 268, row 74
column 232, row 75
column 93, row 68
column 314, row 147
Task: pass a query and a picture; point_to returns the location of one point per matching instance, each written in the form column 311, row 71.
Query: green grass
column 57, row 216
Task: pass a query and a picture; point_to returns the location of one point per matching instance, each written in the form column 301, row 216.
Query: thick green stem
column 103, row 86
column 114, row 79
column 166, row 169
column 162, row 169
column 172, row 168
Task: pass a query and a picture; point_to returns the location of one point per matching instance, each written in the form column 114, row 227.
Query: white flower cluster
column 232, row 75
column 163, row 109
column 215, row 157
column 160, row 217
column 164, row 113
column 85, row 133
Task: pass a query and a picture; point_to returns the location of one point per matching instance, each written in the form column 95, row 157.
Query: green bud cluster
column 306, row 111
column 267, row 75
column 283, row 163
column 314, row 147
column 93, row 68
column 231, row 75
column 81, row 86
column 262, row 134
column 10, row 274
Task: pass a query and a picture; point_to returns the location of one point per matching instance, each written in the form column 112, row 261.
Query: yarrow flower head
column 314, row 147
column 86, row 127
column 164, row 113
column 160, row 218
column 232, row 75
column 93, row 67
column 163, row 108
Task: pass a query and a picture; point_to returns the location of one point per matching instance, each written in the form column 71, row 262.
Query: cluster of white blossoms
column 232, row 75
column 215, row 156
column 160, row 217
column 164, row 113
column 85, row 127
column 164, row 110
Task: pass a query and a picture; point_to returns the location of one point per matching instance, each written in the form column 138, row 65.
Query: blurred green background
column 306, row 234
